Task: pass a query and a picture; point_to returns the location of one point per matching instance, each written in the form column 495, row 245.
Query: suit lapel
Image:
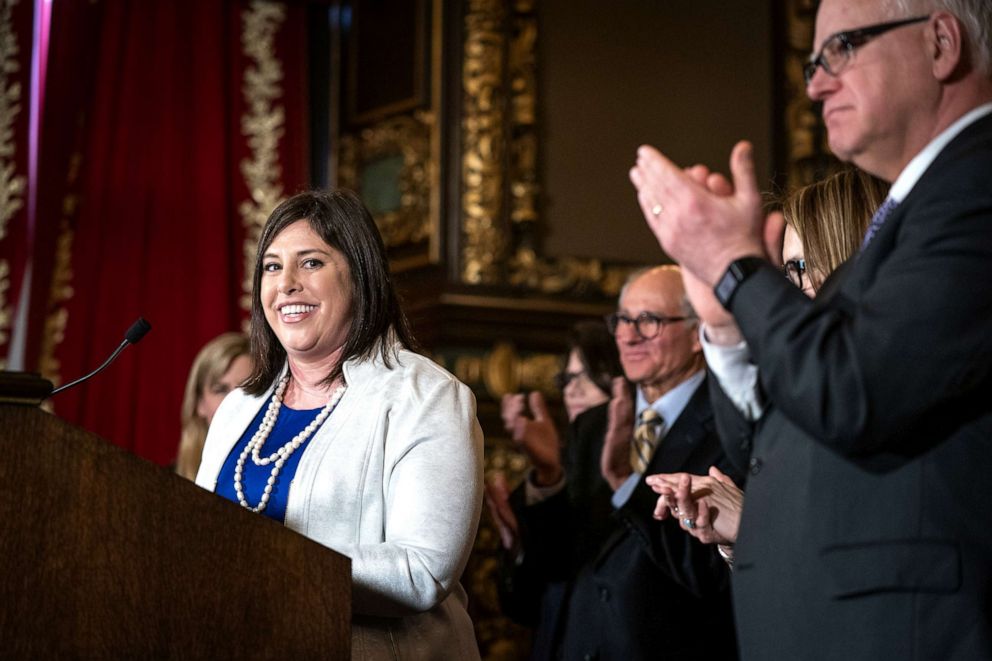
column 677, row 446
column 867, row 262
column 684, row 436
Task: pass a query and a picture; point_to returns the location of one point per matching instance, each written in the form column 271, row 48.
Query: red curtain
column 144, row 142
column 16, row 40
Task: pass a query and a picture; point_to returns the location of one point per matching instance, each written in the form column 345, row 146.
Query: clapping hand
column 536, row 436
column 615, row 460
column 708, row 507
column 702, row 224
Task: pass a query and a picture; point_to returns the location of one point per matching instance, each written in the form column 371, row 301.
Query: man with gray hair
column 863, row 534
column 643, row 590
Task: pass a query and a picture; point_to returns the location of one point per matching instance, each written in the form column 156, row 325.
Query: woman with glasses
column 825, row 224
column 527, row 594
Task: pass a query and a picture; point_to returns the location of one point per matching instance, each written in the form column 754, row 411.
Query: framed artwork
column 387, row 59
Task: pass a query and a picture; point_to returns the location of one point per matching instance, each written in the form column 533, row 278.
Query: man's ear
column 947, row 45
column 697, row 345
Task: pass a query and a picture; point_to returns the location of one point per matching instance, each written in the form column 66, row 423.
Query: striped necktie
column 646, row 438
column 878, row 219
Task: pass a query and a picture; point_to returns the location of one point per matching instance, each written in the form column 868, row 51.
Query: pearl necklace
column 281, row 455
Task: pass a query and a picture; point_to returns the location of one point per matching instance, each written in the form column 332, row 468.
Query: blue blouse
column 289, row 423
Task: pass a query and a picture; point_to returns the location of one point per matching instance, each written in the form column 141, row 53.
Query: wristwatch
column 738, row 271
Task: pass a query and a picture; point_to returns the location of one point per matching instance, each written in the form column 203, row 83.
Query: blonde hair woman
column 220, row 367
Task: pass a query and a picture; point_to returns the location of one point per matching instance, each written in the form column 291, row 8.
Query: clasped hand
column 708, row 507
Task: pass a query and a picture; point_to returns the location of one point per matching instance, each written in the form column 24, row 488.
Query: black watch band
column 738, row 271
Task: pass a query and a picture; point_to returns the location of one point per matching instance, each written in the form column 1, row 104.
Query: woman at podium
column 345, row 434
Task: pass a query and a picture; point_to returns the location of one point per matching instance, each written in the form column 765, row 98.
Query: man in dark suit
column 865, row 533
column 639, row 588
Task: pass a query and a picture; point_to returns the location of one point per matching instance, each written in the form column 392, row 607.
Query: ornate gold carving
column 12, row 185
column 567, row 274
column 483, row 139
column 808, row 157
column 500, row 160
column 6, row 311
column 408, row 138
column 524, row 187
column 60, row 290
column 512, row 304
column 501, row 371
column 263, row 125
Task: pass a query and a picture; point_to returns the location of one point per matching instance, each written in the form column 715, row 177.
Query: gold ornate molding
column 484, row 244
column 12, row 185
column 808, row 157
column 501, row 370
column 501, row 217
column 60, row 290
column 524, row 187
column 59, row 293
column 263, row 125
column 501, row 188
column 409, row 139
column 573, row 275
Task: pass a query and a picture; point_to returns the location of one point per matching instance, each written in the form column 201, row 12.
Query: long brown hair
column 831, row 217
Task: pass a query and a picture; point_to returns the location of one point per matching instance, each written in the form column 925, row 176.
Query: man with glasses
column 865, row 533
column 649, row 591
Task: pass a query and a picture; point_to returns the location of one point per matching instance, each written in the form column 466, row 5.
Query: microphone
column 133, row 335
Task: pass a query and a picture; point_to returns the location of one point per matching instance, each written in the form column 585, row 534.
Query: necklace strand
column 283, row 453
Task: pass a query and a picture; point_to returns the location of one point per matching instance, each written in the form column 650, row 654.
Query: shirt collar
column 670, row 405
column 915, row 168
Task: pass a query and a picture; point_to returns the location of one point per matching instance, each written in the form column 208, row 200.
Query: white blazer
column 393, row 480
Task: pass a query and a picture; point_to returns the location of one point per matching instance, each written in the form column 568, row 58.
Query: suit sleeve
column 902, row 352
column 736, row 432
column 563, row 532
column 433, row 501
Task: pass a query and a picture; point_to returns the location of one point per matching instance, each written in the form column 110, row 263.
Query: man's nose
column 627, row 332
column 820, row 84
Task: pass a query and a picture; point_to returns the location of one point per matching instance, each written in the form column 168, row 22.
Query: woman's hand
column 708, row 507
column 615, row 460
column 498, row 501
column 536, row 435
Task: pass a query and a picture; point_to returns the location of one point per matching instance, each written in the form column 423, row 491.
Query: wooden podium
column 107, row 556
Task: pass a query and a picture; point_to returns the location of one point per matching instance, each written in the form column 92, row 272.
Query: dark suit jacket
column 866, row 530
column 532, row 593
column 647, row 591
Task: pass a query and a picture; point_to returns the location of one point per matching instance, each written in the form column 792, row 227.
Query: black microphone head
column 137, row 331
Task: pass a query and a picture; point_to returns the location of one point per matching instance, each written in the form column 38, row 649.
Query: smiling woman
column 345, row 434
column 306, row 295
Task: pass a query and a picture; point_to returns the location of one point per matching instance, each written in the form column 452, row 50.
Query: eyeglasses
column 838, row 49
column 793, row 270
column 563, row 378
column 646, row 324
